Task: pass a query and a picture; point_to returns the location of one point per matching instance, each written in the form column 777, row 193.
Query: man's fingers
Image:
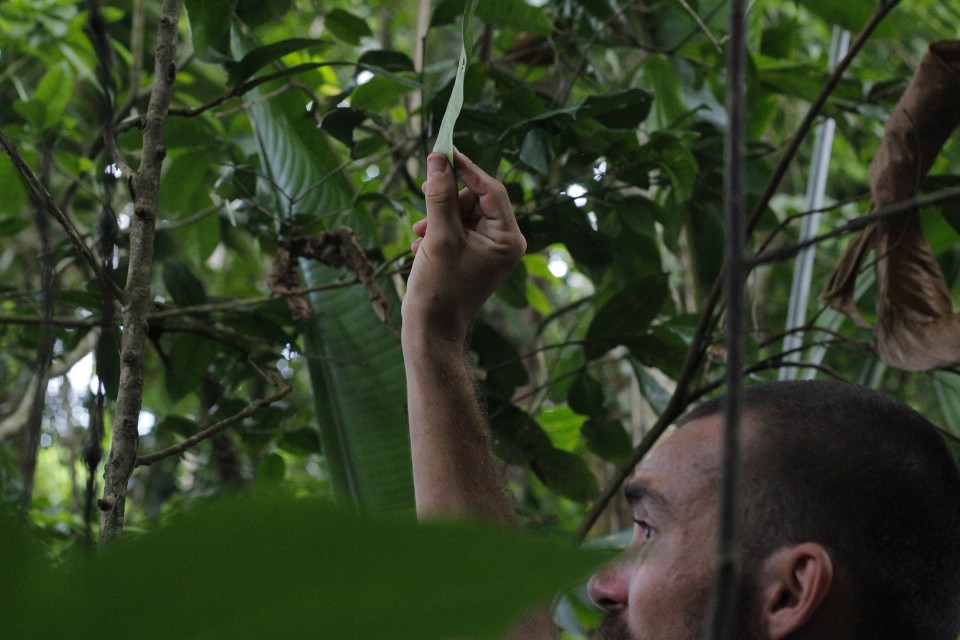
column 420, row 227
column 494, row 202
column 440, row 191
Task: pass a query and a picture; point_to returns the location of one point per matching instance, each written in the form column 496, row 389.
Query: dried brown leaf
column 916, row 328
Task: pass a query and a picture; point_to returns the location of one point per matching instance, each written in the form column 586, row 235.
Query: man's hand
column 467, row 245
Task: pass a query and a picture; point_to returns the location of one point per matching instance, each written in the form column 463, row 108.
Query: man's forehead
column 686, row 461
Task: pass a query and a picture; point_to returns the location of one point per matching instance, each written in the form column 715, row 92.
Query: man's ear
column 795, row 581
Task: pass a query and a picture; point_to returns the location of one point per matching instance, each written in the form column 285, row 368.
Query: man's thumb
column 440, row 191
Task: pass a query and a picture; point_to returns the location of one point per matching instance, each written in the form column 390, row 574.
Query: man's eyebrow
column 640, row 491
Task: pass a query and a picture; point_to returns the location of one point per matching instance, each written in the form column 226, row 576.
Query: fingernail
column 436, row 166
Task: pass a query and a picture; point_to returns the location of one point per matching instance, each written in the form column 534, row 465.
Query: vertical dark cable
column 28, row 469
column 723, row 606
column 106, row 242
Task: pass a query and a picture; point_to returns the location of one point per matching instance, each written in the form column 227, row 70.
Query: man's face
column 659, row 589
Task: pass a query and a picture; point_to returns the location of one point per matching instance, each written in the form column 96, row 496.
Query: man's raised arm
column 467, row 246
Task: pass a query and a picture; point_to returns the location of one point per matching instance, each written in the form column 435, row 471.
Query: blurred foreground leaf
column 275, row 567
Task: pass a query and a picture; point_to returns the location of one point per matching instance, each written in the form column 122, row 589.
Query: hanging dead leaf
column 917, row 329
column 338, row 248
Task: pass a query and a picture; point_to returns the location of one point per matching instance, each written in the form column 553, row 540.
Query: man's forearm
column 454, row 469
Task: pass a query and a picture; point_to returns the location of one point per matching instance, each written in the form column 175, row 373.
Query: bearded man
column 849, row 519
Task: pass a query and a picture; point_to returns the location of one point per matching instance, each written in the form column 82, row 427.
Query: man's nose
column 609, row 588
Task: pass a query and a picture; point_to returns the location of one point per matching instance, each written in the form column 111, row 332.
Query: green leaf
column 260, row 57
column 387, row 60
column 185, row 287
column 356, row 369
column 378, row 94
column 183, row 427
column 537, row 150
column 13, row 203
column 11, row 226
column 851, row 15
column 300, row 441
column 341, row 122
column 626, row 315
column 567, row 474
column 586, row 396
column 190, row 356
column 519, row 439
column 656, row 396
column 270, row 471
column 513, row 291
column 624, row 109
column 516, row 14
column 107, row 355
column 661, row 78
column 504, row 368
column 275, row 567
column 444, row 143
column 682, row 168
column 254, row 13
column 186, row 183
column 607, row 438
column 50, row 98
column 346, row 26
column 210, row 24
column 660, row 348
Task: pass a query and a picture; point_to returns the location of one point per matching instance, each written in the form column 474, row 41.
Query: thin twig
column 43, row 200
column 283, row 389
column 895, row 209
column 701, row 25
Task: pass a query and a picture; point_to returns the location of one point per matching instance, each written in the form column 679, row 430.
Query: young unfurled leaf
column 444, row 142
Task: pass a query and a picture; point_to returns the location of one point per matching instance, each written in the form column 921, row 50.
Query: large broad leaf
column 519, row 439
column 274, row 567
column 355, row 363
column 625, row 317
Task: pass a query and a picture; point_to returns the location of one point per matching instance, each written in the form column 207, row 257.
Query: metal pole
column 816, row 189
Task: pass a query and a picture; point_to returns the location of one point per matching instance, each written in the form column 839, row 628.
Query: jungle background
column 261, row 254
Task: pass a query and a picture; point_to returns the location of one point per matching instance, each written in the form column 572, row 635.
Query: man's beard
column 614, row 627
column 747, row 623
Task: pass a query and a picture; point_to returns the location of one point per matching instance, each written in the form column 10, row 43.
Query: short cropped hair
column 872, row 481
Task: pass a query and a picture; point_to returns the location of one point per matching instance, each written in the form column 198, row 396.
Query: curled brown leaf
column 917, row 329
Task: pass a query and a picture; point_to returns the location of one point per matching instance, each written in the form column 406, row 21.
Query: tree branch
column 43, row 200
column 859, row 223
column 144, row 188
column 283, row 389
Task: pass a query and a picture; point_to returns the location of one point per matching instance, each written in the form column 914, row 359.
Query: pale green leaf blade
column 444, row 142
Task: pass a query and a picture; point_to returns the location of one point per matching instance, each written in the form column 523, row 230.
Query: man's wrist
column 448, row 327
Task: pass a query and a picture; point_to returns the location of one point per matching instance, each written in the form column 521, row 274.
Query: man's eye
column 645, row 530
